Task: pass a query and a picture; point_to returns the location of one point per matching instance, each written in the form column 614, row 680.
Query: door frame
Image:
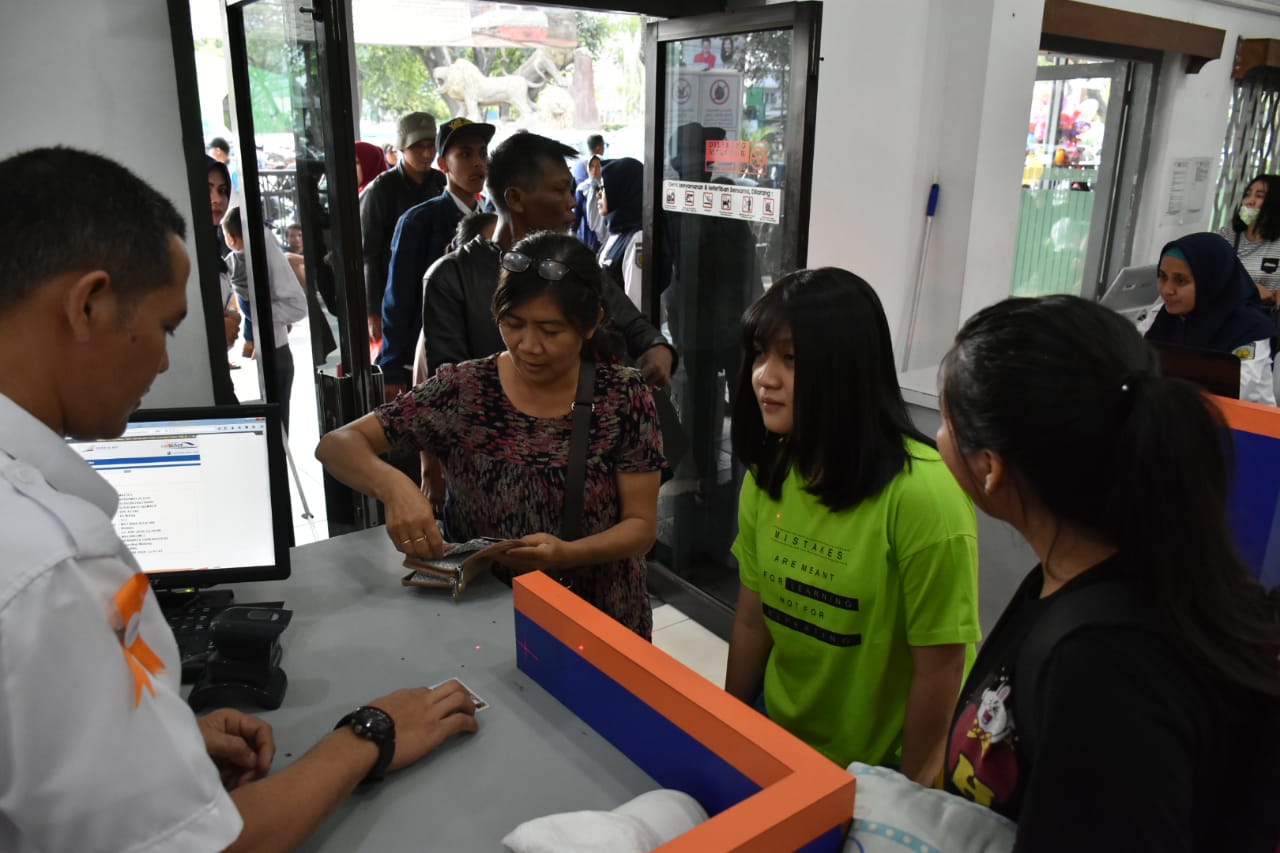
column 1132, row 147
column 804, row 18
column 332, row 41
column 354, row 390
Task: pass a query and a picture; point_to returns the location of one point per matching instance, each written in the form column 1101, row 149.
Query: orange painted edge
column 1245, row 416
column 726, row 726
column 797, row 806
column 803, row 794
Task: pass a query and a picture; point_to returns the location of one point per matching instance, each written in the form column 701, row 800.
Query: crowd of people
column 1128, row 697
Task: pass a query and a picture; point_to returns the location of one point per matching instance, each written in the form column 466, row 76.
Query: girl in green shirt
column 857, row 611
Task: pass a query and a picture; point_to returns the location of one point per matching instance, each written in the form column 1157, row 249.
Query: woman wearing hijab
column 1210, row 302
column 620, row 204
column 370, row 162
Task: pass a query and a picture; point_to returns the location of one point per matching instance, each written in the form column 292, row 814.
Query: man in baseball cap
column 422, row 235
column 411, row 182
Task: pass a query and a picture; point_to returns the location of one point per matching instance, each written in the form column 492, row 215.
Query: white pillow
column 892, row 814
column 638, row 826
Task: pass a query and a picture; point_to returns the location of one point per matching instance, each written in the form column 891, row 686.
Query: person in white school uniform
column 98, row 751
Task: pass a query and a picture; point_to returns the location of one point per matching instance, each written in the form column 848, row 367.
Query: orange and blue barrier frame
column 764, row 789
column 1253, row 508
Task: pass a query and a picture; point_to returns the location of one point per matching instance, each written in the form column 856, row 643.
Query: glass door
column 730, row 149
column 299, row 193
column 1075, row 134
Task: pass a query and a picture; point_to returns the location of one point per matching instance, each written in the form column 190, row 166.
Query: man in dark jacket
column 422, row 235
column 532, row 190
column 411, row 182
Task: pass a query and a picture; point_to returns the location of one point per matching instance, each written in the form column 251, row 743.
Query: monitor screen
column 203, row 494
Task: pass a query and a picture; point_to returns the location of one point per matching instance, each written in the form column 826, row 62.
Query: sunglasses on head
column 548, row 269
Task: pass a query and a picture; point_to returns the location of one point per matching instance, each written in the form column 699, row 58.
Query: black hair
column 518, row 162
column 474, row 224
column 221, row 144
column 222, row 170
column 231, row 222
column 850, row 421
column 1268, row 223
column 62, row 210
column 292, row 226
column 578, row 294
column 1073, row 400
column 593, row 140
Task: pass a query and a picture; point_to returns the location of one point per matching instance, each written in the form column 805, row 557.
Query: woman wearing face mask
column 1255, row 233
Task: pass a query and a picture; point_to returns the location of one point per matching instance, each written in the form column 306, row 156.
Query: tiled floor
column 690, row 643
column 673, row 632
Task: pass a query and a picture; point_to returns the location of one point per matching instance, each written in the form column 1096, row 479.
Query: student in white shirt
column 98, row 751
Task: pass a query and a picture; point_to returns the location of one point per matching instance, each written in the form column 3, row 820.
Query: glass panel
column 288, row 126
column 1060, row 181
column 720, row 245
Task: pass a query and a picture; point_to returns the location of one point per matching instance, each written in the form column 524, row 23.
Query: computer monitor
column 1216, row 372
column 1134, row 290
column 204, row 498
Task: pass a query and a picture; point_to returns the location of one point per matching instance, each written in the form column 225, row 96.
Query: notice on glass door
column 724, row 201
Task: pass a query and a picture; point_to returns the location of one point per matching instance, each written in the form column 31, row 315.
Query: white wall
column 912, row 91
column 100, row 76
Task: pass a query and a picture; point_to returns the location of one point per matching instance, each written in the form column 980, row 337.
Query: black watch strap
column 376, row 725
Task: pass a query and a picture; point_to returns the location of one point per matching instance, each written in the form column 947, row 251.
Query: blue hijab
column 1228, row 313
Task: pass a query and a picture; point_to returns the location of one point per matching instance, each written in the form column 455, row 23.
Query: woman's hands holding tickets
column 411, row 523
column 539, row 552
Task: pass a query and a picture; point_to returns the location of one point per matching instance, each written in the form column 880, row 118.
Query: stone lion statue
column 555, row 107
column 464, row 82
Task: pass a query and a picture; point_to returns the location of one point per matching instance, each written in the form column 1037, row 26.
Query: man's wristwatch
column 376, row 725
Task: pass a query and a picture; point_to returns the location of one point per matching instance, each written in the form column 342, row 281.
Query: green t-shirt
column 847, row 594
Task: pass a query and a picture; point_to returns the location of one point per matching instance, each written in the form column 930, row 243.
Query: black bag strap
column 1109, row 602
column 576, row 475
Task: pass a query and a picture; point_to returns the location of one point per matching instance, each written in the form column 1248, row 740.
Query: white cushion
column 639, row 826
column 892, row 814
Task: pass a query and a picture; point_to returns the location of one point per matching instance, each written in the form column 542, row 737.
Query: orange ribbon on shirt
column 143, row 661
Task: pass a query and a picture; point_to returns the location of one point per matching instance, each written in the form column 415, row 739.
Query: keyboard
column 192, row 628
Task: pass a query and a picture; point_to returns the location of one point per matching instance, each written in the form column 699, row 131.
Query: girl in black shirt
column 1127, row 697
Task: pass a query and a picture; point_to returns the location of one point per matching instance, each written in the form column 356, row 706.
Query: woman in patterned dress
column 501, row 427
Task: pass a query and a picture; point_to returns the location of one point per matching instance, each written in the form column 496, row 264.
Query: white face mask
column 1248, row 215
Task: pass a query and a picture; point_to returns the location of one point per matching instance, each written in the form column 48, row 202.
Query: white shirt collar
column 29, row 440
column 462, row 204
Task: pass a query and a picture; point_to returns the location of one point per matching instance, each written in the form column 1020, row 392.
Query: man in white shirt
column 98, row 751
